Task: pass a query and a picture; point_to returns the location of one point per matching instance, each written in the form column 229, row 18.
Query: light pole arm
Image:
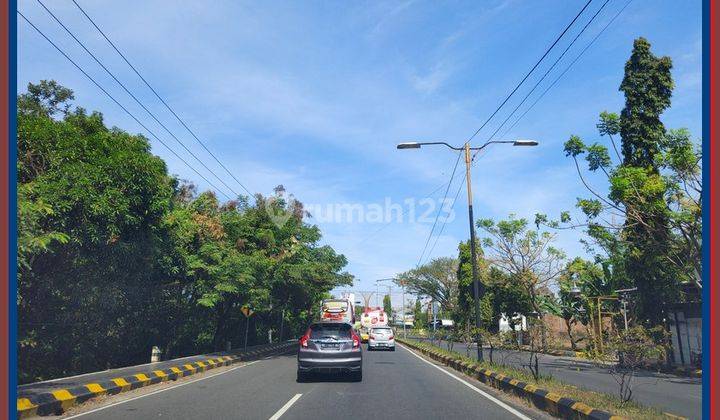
column 463, row 147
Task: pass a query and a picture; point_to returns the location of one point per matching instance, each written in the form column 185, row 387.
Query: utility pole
column 402, row 283
column 473, row 255
column 468, row 161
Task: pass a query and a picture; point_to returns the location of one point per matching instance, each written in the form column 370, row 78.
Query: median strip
column 57, row 401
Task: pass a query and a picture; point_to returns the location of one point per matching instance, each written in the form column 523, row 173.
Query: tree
column 420, row 315
column 387, row 305
column 91, row 204
column 648, row 226
column 115, row 253
column 465, row 313
column 526, row 256
column 636, row 348
column 437, row 280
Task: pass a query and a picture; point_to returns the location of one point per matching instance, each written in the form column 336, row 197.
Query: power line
column 549, row 69
column 437, row 215
column 531, row 70
column 134, row 97
column 442, row 228
column 507, row 98
column 119, row 104
column 568, row 67
column 160, row 98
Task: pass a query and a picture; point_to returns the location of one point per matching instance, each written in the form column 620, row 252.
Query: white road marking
column 285, row 407
column 158, row 391
column 471, row 386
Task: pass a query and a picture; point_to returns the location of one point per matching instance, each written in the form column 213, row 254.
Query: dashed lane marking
column 285, row 407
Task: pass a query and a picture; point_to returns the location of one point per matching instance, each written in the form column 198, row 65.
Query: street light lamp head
column 525, row 143
column 409, row 145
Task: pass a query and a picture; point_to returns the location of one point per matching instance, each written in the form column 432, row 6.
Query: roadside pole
column 473, row 254
column 402, row 283
column 248, row 313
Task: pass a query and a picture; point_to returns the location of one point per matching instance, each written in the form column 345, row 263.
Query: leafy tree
column 116, row 256
column 420, row 315
column 466, row 296
column 526, row 256
column 648, row 226
column 437, row 280
column 387, row 305
column 89, row 287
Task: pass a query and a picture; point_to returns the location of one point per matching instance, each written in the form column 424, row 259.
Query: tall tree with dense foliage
column 437, row 280
column 117, row 256
column 648, row 226
column 387, row 305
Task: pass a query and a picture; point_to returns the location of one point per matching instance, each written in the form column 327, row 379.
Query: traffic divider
column 550, row 402
column 57, row 401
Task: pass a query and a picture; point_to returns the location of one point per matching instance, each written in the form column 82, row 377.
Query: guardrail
column 56, row 401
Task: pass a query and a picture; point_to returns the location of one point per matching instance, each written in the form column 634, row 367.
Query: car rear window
column 320, row 331
column 382, row 330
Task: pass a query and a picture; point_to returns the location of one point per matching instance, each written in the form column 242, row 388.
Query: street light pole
column 402, row 283
column 473, row 255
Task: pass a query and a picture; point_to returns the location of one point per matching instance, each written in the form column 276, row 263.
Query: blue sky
column 315, row 95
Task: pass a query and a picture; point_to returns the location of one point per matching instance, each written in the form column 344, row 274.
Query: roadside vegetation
column 115, row 255
column 642, row 224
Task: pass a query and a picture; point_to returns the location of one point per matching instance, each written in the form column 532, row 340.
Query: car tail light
column 304, row 339
column 391, row 337
column 356, row 340
column 372, row 336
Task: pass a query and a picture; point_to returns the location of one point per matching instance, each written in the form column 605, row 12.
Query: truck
column 374, row 317
column 341, row 310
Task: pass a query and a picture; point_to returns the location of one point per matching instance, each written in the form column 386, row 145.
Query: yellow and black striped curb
column 59, row 400
column 555, row 404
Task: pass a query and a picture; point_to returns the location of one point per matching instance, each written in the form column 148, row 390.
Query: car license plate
column 330, row 346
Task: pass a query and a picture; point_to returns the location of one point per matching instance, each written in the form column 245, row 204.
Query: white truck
column 338, row 310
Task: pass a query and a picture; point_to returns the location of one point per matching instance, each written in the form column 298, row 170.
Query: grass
column 598, row 400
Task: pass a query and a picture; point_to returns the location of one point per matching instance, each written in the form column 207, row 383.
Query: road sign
column 247, row 311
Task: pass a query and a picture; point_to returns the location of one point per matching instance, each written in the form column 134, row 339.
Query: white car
column 381, row 338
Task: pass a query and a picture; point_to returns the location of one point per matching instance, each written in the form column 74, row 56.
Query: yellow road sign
column 246, row 311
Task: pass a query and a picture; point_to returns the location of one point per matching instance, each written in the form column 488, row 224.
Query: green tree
column 116, row 254
column 420, row 315
column 648, row 226
column 528, row 259
column 91, row 204
column 387, row 305
column 465, row 313
column 437, row 280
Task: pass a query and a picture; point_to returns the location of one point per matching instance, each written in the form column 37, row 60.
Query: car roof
column 330, row 322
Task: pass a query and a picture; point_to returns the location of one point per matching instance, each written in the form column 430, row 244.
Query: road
column 678, row 395
column 398, row 384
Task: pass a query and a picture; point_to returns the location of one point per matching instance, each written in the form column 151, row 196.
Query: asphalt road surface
column 399, row 385
column 677, row 395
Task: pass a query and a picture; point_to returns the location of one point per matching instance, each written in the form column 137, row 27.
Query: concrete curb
column 59, row 400
column 550, row 402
